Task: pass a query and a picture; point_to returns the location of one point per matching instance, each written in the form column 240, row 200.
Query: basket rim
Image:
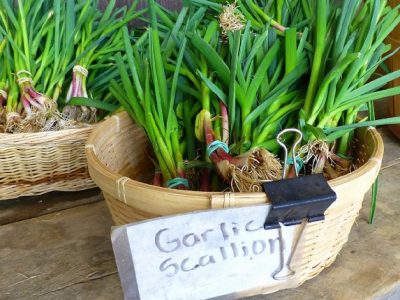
column 50, row 132
column 94, row 161
column 14, row 139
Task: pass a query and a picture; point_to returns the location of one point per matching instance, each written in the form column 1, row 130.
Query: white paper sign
column 201, row 255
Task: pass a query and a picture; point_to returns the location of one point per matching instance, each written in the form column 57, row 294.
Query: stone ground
column 57, row 246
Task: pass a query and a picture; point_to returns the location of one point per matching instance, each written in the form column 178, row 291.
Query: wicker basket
column 37, row 163
column 117, row 151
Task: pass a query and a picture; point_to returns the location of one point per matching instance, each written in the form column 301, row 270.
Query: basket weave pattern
column 37, row 163
column 118, row 161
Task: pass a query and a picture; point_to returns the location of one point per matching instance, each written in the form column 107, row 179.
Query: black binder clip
column 294, row 200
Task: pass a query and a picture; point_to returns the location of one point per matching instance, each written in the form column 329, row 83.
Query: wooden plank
column 68, row 255
column 63, row 255
column 29, row 207
column 392, row 148
column 102, row 288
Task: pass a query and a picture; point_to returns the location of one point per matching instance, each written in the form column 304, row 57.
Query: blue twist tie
column 172, row 183
column 214, row 146
column 299, row 163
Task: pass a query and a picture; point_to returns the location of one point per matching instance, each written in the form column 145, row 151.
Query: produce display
column 56, row 58
column 214, row 83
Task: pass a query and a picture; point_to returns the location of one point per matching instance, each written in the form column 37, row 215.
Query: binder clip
column 294, row 200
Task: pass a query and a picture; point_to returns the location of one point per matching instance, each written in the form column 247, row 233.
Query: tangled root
column 321, row 159
column 231, row 19
column 252, row 169
column 58, row 122
column 314, row 150
column 317, row 154
column 13, row 122
column 33, row 122
column 3, row 119
column 37, row 121
column 80, row 113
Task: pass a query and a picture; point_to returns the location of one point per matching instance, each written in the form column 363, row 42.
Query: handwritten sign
column 201, row 255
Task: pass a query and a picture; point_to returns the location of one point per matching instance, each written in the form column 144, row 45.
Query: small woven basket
column 118, row 160
column 37, row 163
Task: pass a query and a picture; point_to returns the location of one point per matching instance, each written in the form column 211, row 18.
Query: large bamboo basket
column 37, row 163
column 117, row 153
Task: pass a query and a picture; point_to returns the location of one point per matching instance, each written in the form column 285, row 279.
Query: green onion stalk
column 3, row 86
column 11, row 118
column 3, row 75
column 236, row 87
column 149, row 93
column 43, row 43
column 194, row 94
column 99, row 40
column 261, row 97
column 349, row 47
column 15, row 21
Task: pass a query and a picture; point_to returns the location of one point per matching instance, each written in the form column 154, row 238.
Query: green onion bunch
column 96, row 40
column 228, row 118
column 220, row 81
column 54, row 57
column 148, row 93
column 349, row 46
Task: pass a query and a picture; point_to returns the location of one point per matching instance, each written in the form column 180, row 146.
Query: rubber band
column 118, row 123
column 81, row 70
column 121, row 188
column 214, row 146
column 172, row 183
column 3, row 93
column 24, row 79
column 24, row 72
column 299, row 163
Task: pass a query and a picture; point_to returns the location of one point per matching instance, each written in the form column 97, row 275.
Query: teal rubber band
column 214, row 146
column 299, row 163
column 174, row 182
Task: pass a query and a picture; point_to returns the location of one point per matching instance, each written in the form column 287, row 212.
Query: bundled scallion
column 149, row 96
column 23, row 46
column 349, row 47
column 47, row 51
column 97, row 40
column 216, row 90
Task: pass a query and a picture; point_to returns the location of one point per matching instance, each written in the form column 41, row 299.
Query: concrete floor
column 57, row 246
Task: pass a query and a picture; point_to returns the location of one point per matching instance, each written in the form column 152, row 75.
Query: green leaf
column 212, row 57
column 315, row 131
column 337, row 134
column 386, row 121
column 373, row 201
column 261, row 73
column 214, row 88
column 81, row 101
column 290, row 49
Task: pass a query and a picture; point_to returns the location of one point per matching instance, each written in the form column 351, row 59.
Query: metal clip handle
column 280, row 141
column 285, row 272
